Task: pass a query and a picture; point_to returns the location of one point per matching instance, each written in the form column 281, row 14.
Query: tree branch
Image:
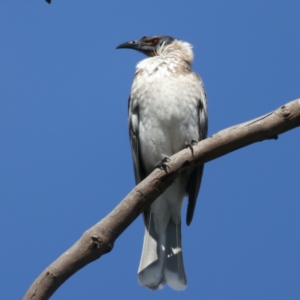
column 100, row 238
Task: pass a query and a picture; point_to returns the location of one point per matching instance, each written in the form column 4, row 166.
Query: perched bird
column 167, row 111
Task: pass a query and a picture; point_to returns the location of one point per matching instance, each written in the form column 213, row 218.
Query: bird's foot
column 190, row 145
column 162, row 164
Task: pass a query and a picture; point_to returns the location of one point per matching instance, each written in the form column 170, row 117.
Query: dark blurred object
column 48, row 1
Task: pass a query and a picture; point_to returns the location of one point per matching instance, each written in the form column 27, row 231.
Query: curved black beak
column 136, row 45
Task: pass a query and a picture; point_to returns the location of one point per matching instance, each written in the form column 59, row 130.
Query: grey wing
column 196, row 176
column 133, row 120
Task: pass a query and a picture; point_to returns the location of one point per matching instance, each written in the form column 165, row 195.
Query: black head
column 148, row 45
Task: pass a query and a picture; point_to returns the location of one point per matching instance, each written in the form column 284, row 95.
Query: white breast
column 168, row 108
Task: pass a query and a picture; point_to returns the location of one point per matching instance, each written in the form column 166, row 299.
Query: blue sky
column 65, row 159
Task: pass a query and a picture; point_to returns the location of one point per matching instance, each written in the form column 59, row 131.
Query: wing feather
column 133, row 120
column 196, row 176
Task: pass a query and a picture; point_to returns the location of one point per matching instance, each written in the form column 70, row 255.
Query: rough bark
column 100, row 238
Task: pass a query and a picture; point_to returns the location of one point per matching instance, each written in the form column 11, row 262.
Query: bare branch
column 100, row 238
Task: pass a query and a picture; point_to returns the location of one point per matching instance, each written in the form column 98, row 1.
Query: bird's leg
column 190, row 145
column 162, row 164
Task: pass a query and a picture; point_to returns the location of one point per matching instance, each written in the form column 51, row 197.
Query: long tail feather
column 162, row 259
column 150, row 273
column 174, row 268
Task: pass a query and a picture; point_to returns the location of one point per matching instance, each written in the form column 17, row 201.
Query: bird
column 167, row 112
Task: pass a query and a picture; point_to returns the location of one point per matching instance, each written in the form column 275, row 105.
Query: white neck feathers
column 176, row 57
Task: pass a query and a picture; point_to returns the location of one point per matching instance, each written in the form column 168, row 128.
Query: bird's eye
column 153, row 42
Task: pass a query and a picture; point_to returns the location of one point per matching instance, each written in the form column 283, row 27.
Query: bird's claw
column 190, row 145
column 162, row 164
